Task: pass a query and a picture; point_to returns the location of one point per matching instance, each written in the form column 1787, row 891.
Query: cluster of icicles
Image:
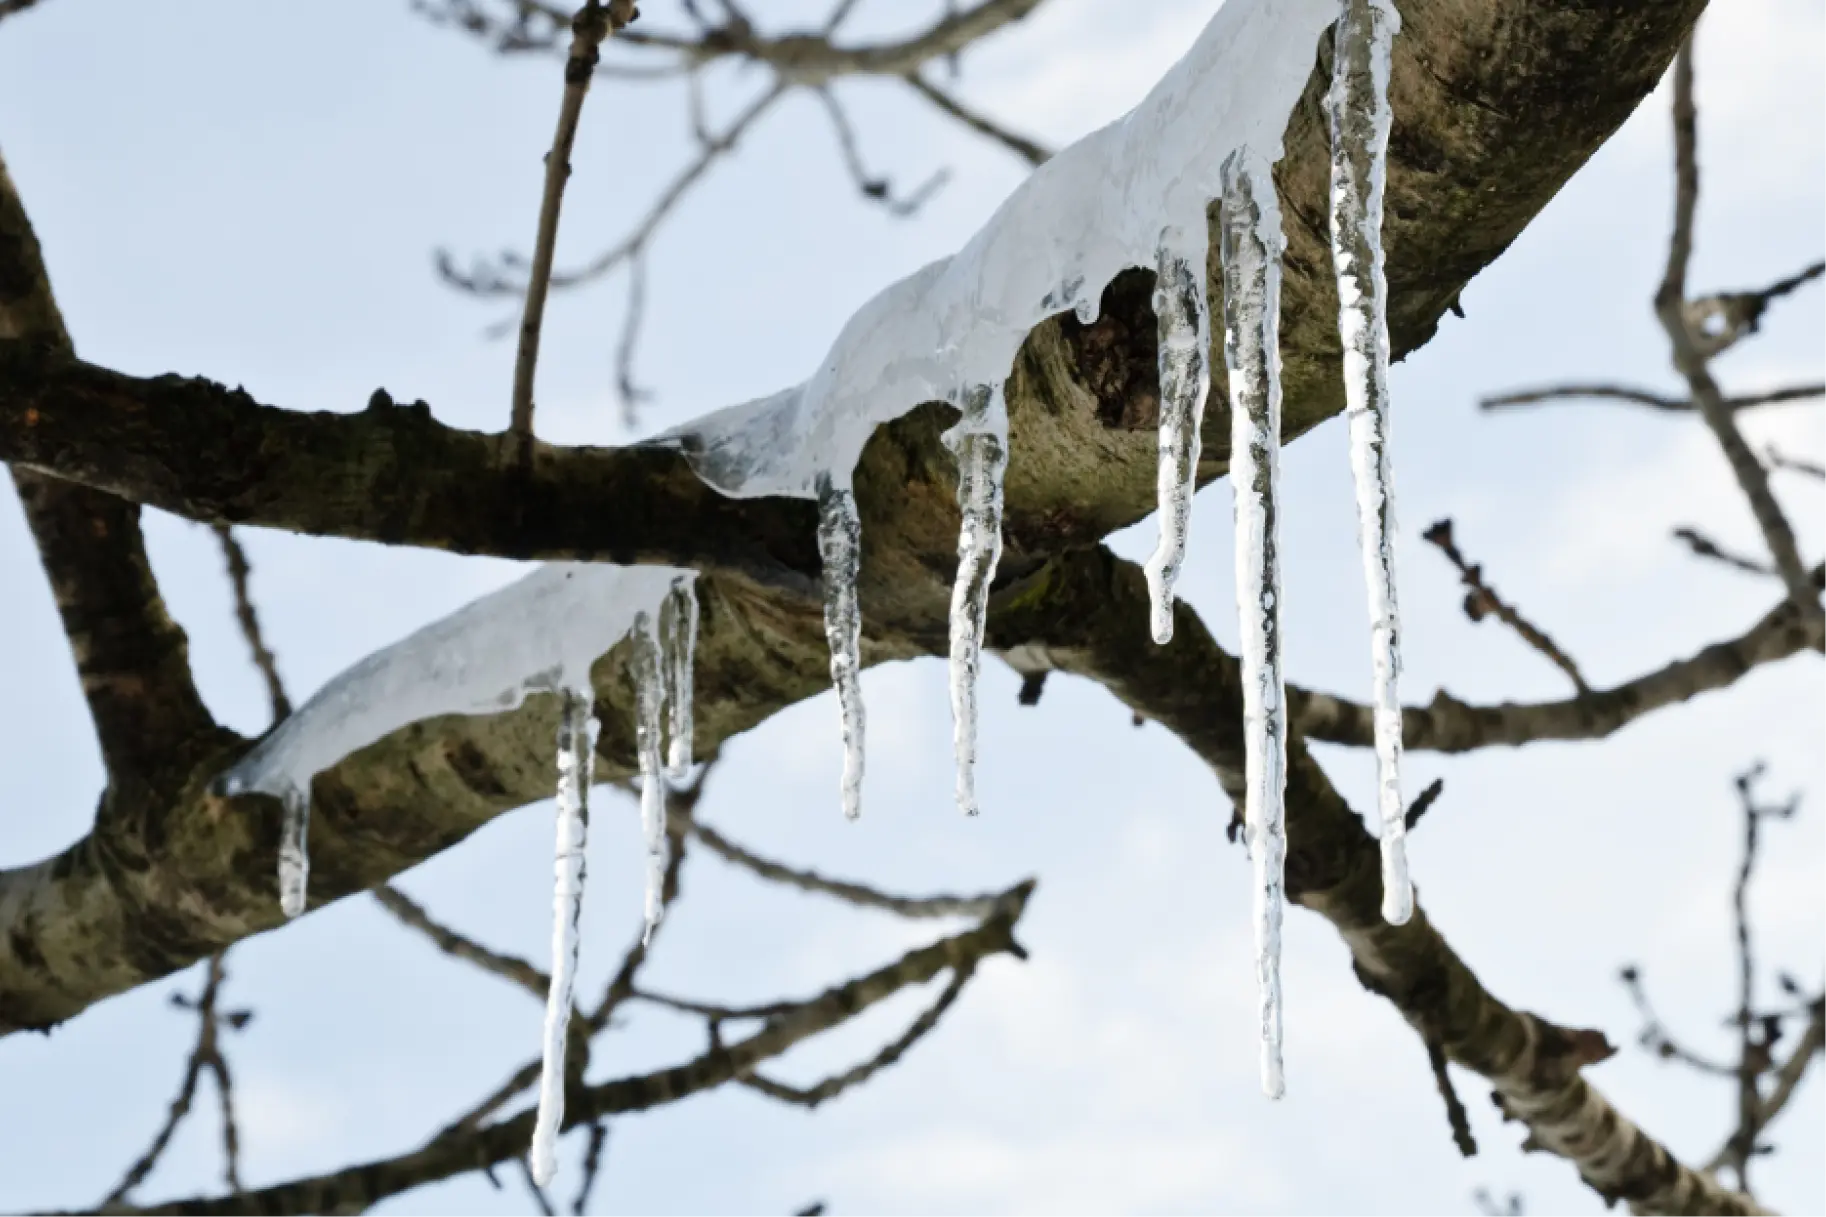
column 542, row 634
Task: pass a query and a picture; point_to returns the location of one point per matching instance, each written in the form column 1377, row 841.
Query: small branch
column 1793, row 464
column 1020, row 145
column 510, row 968
column 1424, row 802
column 875, row 189
column 1654, row 1034
column 592, row 24
column 1455, row 1108
column 592, row 1165
column 239, row 573
column 1643, row 397
column 532, row 1186
column 1483, row 601
column 1704, row 547
column 1722, row 321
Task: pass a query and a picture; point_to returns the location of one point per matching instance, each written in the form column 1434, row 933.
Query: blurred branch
column 1455, row 1108
column 1722, row 321
column 509, row 967
column 1029, row 151
column 1643, row 397
column 239, row 573
column 1483, row 601
column 875, row 189
column 1704, row 547
column 1793, row 464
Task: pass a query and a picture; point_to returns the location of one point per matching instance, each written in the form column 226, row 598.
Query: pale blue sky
column 251, row 192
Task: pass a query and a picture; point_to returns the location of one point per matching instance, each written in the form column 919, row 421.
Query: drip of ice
column 678, row 646
column 1185, row 378
column 577, row 730
column 840, row 546
column 979, row 441
column 540, row 634
column 1252, row 245
column 645, row 667
column 1359, row 108
column 294, row 849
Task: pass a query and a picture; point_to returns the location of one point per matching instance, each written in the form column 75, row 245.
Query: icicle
column 577, row 729
column 1252, row 247
column 678, row 646
column 294, row 852
column 649, row 716
column 1359, row 108
column 840, row 545
column 1185, row 377
column 979, row 441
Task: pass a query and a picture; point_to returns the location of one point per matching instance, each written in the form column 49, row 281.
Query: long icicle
column 645, row 667
column 1252, row 245
column 678, row 647
column 979, row 441
column 577, row 729
column 1360, row 116
column 294, row 849
column 840, row 546
column 1184, row 319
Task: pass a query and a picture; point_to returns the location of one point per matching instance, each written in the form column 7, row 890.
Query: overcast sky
column 252, row 192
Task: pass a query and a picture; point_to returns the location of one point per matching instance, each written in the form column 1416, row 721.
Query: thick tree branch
column 1083, row 610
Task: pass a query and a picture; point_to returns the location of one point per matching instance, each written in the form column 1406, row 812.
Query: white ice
column 540, row 634
column 1185, row 378
column 294, row 849
column 840, row 545
column 1360, row 116
column 577, row 729
column 645, row 665
column 678, row 645
column 1252, row 245
column 979, row 441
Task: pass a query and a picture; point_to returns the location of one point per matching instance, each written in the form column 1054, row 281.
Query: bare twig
column 1643, row 397
column 532, row 1186
column 1424, row 801
column 509, row 967
column 1020, row 145
column 1655, row 1036
column 1482, row 601
column 1794, row 464
column 593, row 22
column 1722, row 321
column 1704, row 547
column 592, row 1165
column 875, row 189
column 238, row 575
column 1671, row 306
column 1455, row 1108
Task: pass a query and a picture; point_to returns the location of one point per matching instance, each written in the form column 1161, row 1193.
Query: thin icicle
column 294, row 849
column 1185, row 377
column 577, row 729
column 1252, row 247
column 1360, row 116
column 979, row 441
column 840, row 545
column 649, row 716
column 678, row 646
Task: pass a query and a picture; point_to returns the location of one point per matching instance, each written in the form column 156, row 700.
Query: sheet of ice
column 979, row 441
column 1358, row 104
column 1185, row 378
column 840, row 546
column 1094, row 209
column 645, row 667
column 577, row 730
column 540, row 634
column 1252, row 245
column 678, row 647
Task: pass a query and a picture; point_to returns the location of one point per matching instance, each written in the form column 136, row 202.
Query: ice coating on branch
column 840, row 546
column 644, row 667
column 1252, row 245
column 1092, row 210
column 678, row 647
column 540, row 634
column 577, row 729
column 1185, row 378
column 979, row 441
column 294, row 849
column 1359, row 108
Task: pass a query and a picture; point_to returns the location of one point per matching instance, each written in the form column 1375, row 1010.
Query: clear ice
column 294, row 848
column 577, row 729
column 678, row 645
column 979, row 441
column 1252, row 245
column 1184, row 320
column 645, row 666
column 840, row 546
column 1358, row 104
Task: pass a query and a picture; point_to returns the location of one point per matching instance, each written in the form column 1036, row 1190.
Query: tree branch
column 1654, row 401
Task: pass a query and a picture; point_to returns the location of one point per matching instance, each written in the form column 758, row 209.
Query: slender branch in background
column 1722, row 321
column 1510, row 1206
column 1704, row 547
column 1671, row 306
column 592, row 1165
column 239, row 573
column 1020, row 145
column 532, row 1186
column 1643, row 397
column 11, row 8
column 632, row 316
column 1794, row 464
column 509, row 967
column 875, row 189
column 1482, row 601
column 1423, row 802
column 1455, row 1108
column 1655, row 1036
column 593, row 23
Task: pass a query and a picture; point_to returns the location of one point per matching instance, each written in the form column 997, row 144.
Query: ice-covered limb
column 678, row 647
column 840, row 545
column 294, row 848
column 577, row 729
column 645, row 667
column 1252, row 245
column 1185, row 377
column 979, row 441
column 1358, row 104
